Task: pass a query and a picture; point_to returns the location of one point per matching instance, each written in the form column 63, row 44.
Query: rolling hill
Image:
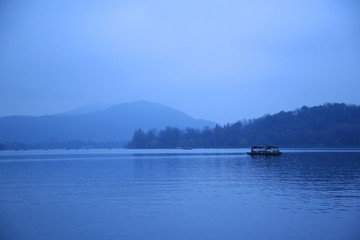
column 114, row 123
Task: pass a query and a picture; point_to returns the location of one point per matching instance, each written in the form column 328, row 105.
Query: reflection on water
column 213, row 194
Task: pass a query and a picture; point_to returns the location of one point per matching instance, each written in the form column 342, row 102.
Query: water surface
column 178, row 194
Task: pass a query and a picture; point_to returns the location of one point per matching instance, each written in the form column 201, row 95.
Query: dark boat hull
column 264, row 154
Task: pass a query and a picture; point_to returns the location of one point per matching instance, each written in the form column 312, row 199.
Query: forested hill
column 329, row 125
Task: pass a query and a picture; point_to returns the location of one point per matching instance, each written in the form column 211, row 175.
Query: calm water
column 177, row 194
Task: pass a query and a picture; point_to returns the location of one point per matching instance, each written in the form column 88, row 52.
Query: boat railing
column 258, row 149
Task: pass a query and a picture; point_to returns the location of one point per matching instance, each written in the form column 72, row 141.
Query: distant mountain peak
column 89, row 108
column 96, row 122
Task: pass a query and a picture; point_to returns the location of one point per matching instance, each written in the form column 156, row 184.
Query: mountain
column 86, row 109
column 329, row 125
column 114, row 123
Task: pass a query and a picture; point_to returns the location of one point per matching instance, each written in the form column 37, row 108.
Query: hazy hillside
column 329, row 125
column 86, row 109
column 114, row 123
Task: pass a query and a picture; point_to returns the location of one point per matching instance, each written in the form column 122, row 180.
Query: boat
column 264, row 151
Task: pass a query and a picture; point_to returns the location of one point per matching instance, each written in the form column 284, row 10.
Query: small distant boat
column 264, row 151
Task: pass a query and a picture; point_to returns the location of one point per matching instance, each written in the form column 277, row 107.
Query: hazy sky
column 218, row 60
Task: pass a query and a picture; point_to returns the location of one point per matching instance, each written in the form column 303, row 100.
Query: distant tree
column 139, row 139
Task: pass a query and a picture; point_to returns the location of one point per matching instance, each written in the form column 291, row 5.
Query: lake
column 179, row 194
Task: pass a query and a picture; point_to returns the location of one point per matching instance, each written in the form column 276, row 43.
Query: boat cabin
column 264, row 150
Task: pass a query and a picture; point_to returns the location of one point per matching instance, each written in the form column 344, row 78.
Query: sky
column 223, row 60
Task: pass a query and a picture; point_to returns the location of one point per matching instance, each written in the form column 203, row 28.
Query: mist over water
column 176, row 194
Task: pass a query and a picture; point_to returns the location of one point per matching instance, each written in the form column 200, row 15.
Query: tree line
column 328, row 125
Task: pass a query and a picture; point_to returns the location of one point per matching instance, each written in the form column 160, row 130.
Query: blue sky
column 218, row 60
